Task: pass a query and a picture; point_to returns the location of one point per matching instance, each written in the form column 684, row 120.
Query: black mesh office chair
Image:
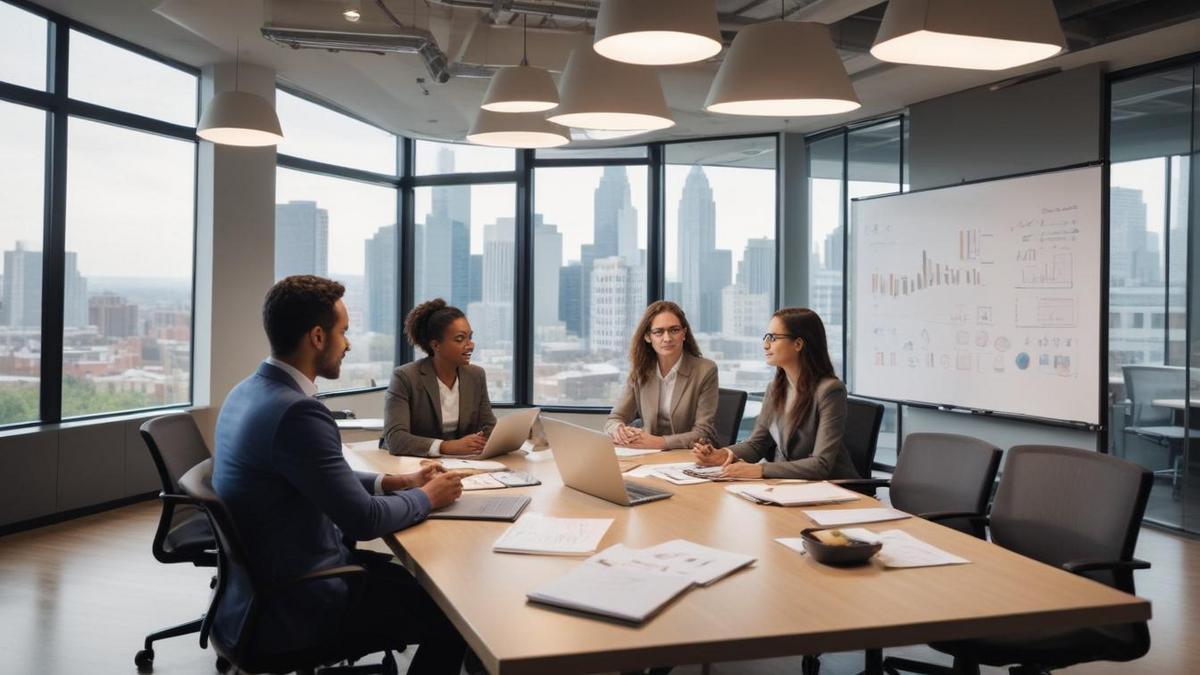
column 183, row 534
column 863, row 419
column 731, row 406
column 1144, row 384
column 1046, row 508
column 232, row 561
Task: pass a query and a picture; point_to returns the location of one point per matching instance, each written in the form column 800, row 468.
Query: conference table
column 784, row 604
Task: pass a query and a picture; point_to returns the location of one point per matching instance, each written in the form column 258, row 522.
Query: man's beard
column 329, row 363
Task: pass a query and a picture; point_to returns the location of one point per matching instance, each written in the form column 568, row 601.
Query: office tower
column 614, row 232
column 547, row 261
column 1131, row 260
column 476, row 284
column 379, row 256
column 112, row 315
column 703, row 270
column 744, row 314
column 618, row 295
column 22, row 295
column 301, row 239
column 75, row 297
column 570, row 296
column 835, row 247
column 492, row 318
column 445, row 271
column 756, row 271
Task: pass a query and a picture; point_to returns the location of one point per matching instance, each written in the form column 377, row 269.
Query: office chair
column 731, row 406
column 232, row 562
column 1074, row 509
column 1156, row 424
column 183, row 534
column 861, row 437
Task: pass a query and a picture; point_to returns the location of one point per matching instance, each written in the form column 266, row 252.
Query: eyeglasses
column 771, row 337
column 675, row 331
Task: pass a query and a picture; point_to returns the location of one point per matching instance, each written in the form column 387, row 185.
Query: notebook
column 480, row 507
column 793, row 494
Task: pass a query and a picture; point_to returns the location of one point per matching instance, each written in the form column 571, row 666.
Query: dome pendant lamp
column 239, row 118
column 979, row 35
column 516, row 130
column 523, row 88
column 658, row 32
column 606, row 95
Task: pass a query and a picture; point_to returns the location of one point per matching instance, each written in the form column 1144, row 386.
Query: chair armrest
column 972, row 516
column 316, row 575
column 862, row 482
column 1081, row 566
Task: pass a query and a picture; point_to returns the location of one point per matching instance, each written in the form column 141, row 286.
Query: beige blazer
column 815, row 451
column 412, row 407
column 693, row 404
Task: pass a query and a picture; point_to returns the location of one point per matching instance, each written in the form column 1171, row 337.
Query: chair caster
column 144, row 660
column 810, row 665
column 223, row 664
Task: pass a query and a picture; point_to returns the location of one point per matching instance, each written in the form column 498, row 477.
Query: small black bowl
column 843, row 556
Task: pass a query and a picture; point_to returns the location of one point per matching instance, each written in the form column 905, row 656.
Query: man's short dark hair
column 296, row 304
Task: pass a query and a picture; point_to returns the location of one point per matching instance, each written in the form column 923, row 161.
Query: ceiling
column 398, row 91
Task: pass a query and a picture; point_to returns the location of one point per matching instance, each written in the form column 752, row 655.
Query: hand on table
column 641, row 439
column 740, row 469
column 443, row 489
column 467, row 445
column 624, row 435
column 706, row 455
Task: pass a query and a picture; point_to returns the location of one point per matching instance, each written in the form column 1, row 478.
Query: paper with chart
column 672, row 473
column 538, row 534
column 704, row 565
column 618, row 592
column 901, row 549
column 982, row 296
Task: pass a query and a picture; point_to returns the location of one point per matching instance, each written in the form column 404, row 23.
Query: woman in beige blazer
column 438, row 405
column 671, row 387
column 799, row 432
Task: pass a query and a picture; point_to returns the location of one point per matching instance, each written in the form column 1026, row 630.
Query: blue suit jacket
column 279, row 469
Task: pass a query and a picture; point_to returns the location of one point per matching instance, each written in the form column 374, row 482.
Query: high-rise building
column 75, row 295
column 492, row 318
column 113, row 316
column 703, row 269
column 835, row 247
column 476, row 286
column 618, row 295
column 379, row 256
column 1132, row 261
column 570, row 296
column 614, row 233
column 301, row 239
column 547, row 260
column 445, row 250
column 744, row 314
column 756, row 271
column 22, row 294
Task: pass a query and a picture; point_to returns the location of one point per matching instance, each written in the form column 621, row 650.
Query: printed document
column 793, row 494
column 702, row 564
column 901, row 549
column 635, row 452
column 835, row 517
column 545, row 535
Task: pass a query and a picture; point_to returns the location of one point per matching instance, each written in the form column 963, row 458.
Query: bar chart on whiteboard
column 983, row 296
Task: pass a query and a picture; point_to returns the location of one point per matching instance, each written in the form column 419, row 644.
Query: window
column 22, row 47
column 442, row 158
column 22, row 135
column 108, row 75
column 720, row 250
column 313, row 131
column 127, row 308
column 466, row 254
column 826, row 210
column 589, row 280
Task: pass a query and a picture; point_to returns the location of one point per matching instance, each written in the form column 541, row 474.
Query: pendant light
column 599, row 93
column 522, row 88
column 782, row 69
column 516, row 130
column 980, row 35
column 658, row 32
column 239, row 117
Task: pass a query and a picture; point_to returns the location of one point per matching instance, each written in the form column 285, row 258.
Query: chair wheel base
column 810, row 665
column 223, row 664
column 144, row 660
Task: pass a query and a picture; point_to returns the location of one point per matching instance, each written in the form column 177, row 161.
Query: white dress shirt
column 666, row 391
column 310, row 389
column 777, row 430
column 449, row 400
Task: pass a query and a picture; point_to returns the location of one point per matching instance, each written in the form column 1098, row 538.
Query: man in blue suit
column 279, row 468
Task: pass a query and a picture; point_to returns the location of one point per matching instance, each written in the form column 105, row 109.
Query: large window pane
column 345, row 230
column 466, row 254
column 440, row 158
column 128, row 278
column 22, row 135
column 318, row 133
column 589, row 280
column 108, row 75
column 720, row 250
column 22, row 47
column 826, row 238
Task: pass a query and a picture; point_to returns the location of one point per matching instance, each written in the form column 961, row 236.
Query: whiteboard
column 982, row 296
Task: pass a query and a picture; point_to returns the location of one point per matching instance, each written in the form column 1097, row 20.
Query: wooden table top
column 785, row 604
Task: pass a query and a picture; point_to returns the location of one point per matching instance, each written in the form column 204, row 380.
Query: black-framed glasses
column 771, row 337
column 675, row 331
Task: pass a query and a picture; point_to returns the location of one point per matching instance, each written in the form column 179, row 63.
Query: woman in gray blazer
column 671, row 387
column 438, row 405
column 799, row 432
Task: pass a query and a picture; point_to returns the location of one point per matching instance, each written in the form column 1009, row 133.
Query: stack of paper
column 635, row 452
column 672, row 473
column 836, row 517
column 634, row 584
column 545, row 535
column 366, row 423
column 901, row 549
column 472, row 465
column 794, row 494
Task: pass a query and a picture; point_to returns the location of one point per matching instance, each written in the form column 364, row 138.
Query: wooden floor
column 79, row 597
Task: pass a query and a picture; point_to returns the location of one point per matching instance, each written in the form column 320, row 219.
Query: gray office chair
column 1156, row 424
column 232, row 562
column 731, row 406
column 1074, row 509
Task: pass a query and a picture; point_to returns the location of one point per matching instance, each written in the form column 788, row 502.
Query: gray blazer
column 815, row 451
column 412, row 407
column 693, row 404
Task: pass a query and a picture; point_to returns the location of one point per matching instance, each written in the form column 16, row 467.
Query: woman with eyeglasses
column 799, row 430
column 671, row 387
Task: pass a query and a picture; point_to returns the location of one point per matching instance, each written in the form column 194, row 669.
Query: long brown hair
column 805, row 324
column 642, row 357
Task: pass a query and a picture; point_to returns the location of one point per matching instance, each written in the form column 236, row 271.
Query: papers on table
column 634, row 584
column 672, row 473
column 482, row 481
column 901, row 549
column 835, row 517
column 794, row 494
column 635, row 452
column 498, row 479
column 545, row 535
column 472, row 465
column 367, row 423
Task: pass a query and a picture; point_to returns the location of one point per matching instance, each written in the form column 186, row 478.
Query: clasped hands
column 731, row 465
column 441, row 486
column 633, row 437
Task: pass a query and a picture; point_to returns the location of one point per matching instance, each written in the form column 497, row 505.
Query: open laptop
column 587, row 462
column 510, row 432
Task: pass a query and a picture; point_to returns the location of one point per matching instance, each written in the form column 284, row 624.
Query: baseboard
column 63, row 516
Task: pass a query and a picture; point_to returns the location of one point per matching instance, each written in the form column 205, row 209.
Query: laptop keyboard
column 638, row 492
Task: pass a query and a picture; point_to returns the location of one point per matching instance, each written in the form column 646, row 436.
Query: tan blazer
column 412, row 407
column 693, row 404
column 815, row 451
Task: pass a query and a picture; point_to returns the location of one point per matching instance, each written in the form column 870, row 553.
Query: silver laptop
column 510, row 432
column 587, row 462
